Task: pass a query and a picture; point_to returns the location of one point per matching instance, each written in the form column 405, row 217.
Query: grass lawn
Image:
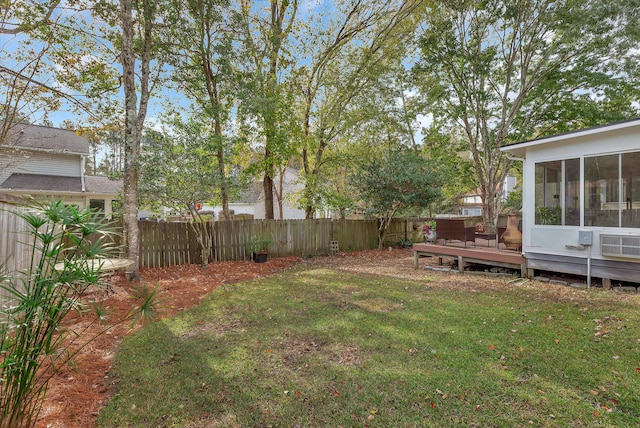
column 316, row 347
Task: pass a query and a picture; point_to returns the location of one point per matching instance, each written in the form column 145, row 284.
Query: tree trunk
column 224, row 190
column 382, row 231
column 384, row 225
column 134, row 117
column 279, row 192
column 267, row 186
column 203, row 232
column 309, row 211
column 131, row 140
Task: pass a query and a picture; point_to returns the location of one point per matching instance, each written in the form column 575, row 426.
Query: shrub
column 33, row 346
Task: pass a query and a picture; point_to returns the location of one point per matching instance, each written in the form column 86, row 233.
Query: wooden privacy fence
column 13, row 254
column 14, row 244
column 168, row 244
column 174, row 243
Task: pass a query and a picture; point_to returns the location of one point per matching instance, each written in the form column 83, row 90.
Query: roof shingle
column 54, row 183
column 36, row 137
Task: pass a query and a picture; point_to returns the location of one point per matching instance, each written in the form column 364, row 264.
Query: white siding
column 14, row 245
column 290, row 187
column 39, row 163
column 563, row 240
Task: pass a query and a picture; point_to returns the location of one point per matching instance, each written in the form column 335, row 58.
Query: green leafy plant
column 149, row 303
column 405, row 242
column 549, row 215
column 64, row 244
column 260, row 245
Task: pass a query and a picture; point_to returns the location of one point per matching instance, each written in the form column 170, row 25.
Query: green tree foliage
column 514, row 200
column 452, row 155
column 345, row 60
column 496, row 72
column 398, row 181
column 205, row 70
column 265, row 36
column 37, row 51
column 179, row 171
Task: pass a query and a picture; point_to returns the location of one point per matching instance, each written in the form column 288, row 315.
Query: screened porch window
column 557, row 193
column 612, row 190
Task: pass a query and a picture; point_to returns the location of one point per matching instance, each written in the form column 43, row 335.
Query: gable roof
column 101, row 185
column 519, row 149
column 55, row 183
column 46, row 138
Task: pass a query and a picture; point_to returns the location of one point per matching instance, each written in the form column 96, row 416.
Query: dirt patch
column 294, row 353
column 346, row 356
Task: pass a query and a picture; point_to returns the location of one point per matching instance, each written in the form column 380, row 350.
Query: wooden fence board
column 173, row 243
column 14, row 245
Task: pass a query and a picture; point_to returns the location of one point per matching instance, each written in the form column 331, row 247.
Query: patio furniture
column 106, row 266
column 455, row 230
column 487, row 237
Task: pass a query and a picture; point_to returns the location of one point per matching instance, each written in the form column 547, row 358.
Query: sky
column 10, row 45
column 13, row 45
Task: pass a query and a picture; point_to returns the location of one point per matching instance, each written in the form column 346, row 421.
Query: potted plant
column 548, row 215
column 429, row 231
column 259, row 249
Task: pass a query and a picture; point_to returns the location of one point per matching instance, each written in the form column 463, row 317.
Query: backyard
column 357, row 340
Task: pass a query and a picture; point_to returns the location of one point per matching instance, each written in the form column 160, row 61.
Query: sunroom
column 581, row 202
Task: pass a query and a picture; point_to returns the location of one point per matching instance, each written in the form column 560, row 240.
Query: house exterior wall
column 81, row 201
column 33, row 162
column 290, row 212
column 236, row 207
column 556, row 247
column 290, row 187
column 553, row 239
column 48, row 163
column 258, row 210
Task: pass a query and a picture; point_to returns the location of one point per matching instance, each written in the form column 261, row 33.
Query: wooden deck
column 482, row 253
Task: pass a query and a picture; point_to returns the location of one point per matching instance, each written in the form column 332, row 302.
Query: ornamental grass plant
column 64, row 243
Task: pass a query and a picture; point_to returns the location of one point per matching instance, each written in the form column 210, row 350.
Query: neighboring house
column 290, row 187
column 471, row 203
column 581, row 201
column 251, row 200
column 45, row 163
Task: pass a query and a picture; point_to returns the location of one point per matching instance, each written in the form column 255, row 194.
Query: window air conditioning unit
column 620, row 245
